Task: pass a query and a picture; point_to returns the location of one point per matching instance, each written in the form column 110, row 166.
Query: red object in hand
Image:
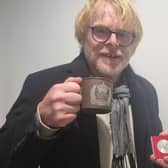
column 160, row 146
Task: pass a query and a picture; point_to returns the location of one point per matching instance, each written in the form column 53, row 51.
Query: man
column 46, row 126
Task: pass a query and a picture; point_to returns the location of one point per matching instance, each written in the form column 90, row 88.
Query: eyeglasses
column 101, row 34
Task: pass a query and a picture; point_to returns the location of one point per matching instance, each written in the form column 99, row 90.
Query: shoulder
column 137, row 80
column 139, row 84
column 41, row 81
column 60, row 72
column 145, row 83
column 38, row 83
column 146, row 87
column 49, row 73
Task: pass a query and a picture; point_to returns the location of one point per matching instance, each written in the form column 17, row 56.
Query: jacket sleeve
column 19, row 144
column 153, row 120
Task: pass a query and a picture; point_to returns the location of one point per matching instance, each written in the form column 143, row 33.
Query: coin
column 162, row 146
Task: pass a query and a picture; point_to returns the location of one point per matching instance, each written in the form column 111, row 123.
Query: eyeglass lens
column 102, row 34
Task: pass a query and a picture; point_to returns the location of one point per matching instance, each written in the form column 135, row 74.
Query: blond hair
column 125, row 11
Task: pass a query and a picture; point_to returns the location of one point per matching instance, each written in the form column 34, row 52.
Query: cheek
column 91, row 49
column 127, row 52
column 130, row 50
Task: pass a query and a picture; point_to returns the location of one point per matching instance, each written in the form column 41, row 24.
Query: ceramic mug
column 96, row 95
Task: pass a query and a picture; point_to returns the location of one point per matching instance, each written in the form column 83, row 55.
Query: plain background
column 38, row 34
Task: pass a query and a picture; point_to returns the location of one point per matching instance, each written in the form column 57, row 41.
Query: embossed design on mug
column 96, row 94
column 100, row 94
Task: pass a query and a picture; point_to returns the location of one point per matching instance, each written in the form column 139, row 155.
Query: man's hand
column 161, row 162
column 62, row 102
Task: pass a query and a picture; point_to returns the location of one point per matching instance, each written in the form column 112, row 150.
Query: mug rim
column 97, row 77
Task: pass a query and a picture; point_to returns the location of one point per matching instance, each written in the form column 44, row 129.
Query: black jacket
column 75, row 146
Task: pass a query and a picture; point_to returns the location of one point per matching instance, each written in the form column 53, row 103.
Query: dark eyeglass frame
column 120, row 33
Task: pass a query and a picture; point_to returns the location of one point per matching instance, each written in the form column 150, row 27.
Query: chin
column 108, row 72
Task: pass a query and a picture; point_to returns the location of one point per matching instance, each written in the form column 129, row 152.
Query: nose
column 112, row 40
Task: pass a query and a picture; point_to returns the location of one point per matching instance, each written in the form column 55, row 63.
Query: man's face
column 107, row 58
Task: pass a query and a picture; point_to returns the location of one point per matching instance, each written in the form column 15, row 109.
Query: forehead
column 104, row 13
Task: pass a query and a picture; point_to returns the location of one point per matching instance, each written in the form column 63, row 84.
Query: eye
column 125, row 37
column 100, row 33
column 101, row 30
column 124, row 34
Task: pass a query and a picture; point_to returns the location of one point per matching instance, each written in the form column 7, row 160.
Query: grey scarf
column 122, row 137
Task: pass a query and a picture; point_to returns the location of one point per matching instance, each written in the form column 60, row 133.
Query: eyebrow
column 104, row 26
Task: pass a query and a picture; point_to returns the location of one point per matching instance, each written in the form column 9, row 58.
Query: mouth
column 112, row 56
column 112, row 59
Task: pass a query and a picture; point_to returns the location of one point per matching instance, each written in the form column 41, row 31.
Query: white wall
column 151, row 58
column 37, row 34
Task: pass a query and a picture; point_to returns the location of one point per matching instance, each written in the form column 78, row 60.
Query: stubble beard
column 107, row 71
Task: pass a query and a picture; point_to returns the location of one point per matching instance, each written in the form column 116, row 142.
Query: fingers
column 166, row 160
column 62, row 102
column 165, row 132
column 60, row 119
column 69, row 93
column 74, row 79
column 65, row 108
column 68, row 118
column 72, row 84
column 161, row 162
column 73, row 98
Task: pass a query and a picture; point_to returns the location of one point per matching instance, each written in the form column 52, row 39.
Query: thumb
column 74, row 79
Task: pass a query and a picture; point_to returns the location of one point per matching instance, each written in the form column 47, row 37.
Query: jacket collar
column 79, row 66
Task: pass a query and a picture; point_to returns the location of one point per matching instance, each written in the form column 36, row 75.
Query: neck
column 116, row 79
